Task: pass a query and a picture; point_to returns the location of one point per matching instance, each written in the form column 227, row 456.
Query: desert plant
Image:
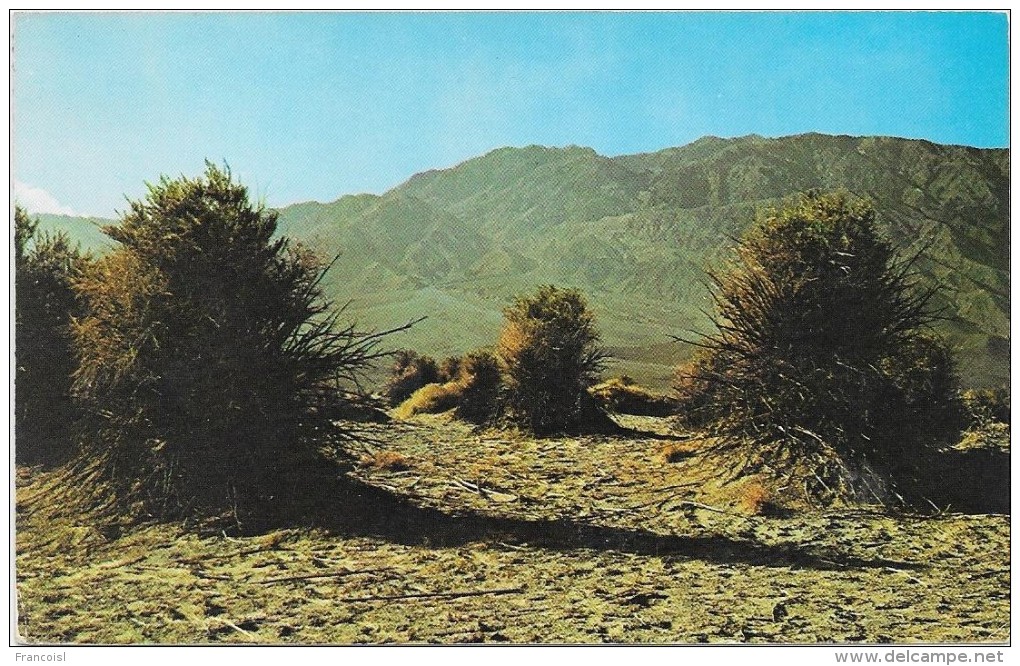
column 46, row 267
column 209, row 361
column 410, row 372
column 480, row 382
column 823, row 345
column 473, row 391
column 550, row 354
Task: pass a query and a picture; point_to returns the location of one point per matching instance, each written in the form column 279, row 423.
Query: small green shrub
column 550, row 355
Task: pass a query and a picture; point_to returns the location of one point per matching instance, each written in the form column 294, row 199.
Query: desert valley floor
column 481, row 536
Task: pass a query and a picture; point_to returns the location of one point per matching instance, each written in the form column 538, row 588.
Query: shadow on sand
column 366, row 511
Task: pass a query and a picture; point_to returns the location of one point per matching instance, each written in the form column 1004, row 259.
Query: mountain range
column 636, row 233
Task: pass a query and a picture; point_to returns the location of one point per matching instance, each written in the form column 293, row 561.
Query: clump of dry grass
column 623, row 396
column 676, row 451
column 430, row 399
column 391, row 461
column 754, row 498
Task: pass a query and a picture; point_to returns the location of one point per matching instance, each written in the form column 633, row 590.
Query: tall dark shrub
column 209, row 360
column 550, row 354
column 823, row 340
column 480, row 381
column 45, row 269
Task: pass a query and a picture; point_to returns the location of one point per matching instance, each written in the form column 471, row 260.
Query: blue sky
column 313, row 106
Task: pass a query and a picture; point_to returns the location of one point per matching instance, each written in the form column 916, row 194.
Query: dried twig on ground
column 706, row 507
column 238, row 629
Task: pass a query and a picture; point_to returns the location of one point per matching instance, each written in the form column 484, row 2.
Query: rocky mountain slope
column 636, row 233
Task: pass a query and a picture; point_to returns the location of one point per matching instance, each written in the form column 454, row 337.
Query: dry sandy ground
column 500, row 538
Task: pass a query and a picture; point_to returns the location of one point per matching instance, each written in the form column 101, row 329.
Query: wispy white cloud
column 37, row 200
